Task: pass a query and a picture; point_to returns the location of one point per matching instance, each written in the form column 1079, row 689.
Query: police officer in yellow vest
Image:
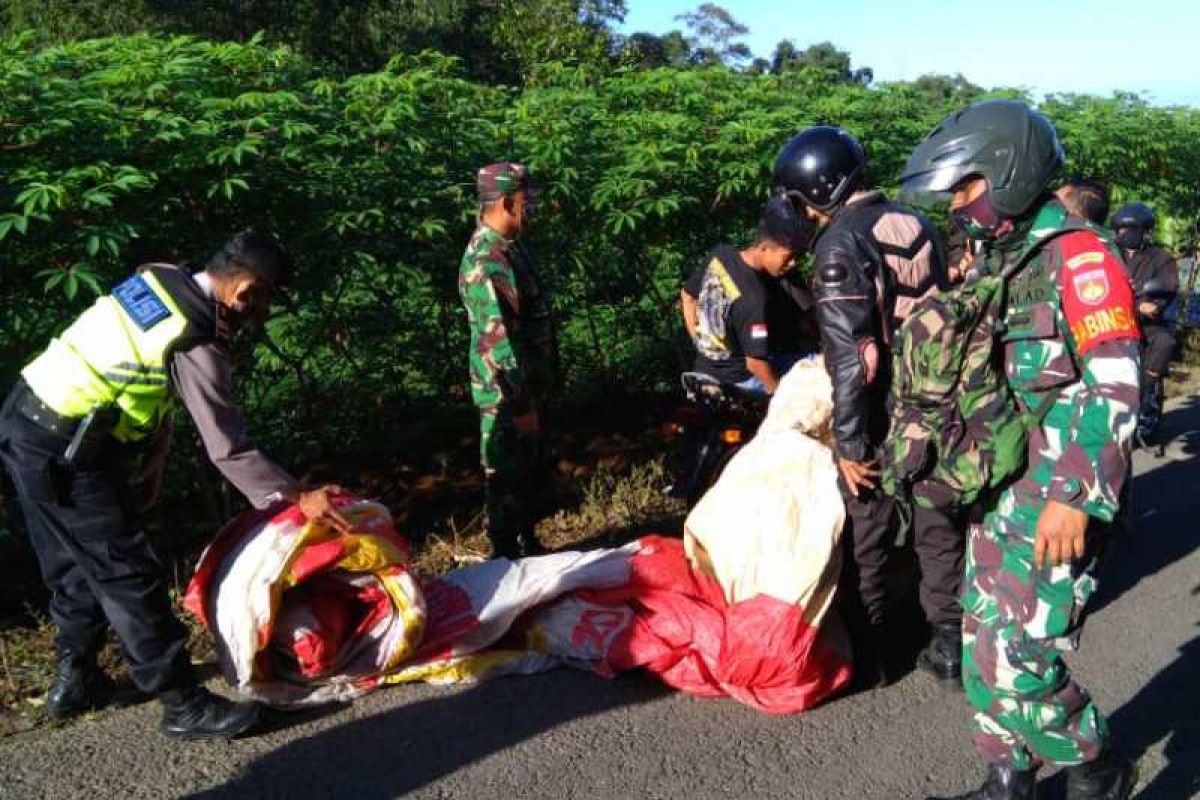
column 100, row 392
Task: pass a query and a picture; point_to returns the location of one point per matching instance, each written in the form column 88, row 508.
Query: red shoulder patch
column 1096, row 296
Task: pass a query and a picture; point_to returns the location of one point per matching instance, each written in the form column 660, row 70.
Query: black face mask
column 978, row 218
column 1130, row 238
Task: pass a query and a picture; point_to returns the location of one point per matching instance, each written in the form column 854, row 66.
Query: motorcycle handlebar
column 708, row 391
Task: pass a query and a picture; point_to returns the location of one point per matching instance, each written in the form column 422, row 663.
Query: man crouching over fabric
column 724, row 302
column 101, row 394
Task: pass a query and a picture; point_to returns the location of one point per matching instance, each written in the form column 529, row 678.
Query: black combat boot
column 197, row 713
column 875, row 663
column 514, row 542
column 1003, row 783
column 528, row 546
column 1112, row 776
column 1150, row 413
column 943, row 657
column 79, row 685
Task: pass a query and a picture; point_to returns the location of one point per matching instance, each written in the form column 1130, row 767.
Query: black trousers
column 1157, row 348
column 940, row 539
column 513, row 481
column 868, row 538
column 93, row 555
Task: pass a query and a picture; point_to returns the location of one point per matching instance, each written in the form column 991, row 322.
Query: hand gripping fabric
column 303, row 613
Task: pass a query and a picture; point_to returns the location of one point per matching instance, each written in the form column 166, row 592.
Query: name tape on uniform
column 141, row 303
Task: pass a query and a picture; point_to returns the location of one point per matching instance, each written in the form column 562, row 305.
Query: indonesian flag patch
column 758, row 330
column 1092, row 286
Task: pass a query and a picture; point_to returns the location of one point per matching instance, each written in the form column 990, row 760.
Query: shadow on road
column 1167, row 708
column 401, row 750
column 1164, row 531
column 1163, row 526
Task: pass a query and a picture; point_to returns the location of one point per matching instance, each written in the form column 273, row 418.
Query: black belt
column 31, row 407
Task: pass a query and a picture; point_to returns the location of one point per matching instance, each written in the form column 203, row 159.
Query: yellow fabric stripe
column 718, row 269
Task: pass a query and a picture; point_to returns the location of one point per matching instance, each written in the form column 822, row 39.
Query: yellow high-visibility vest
column 114, row 354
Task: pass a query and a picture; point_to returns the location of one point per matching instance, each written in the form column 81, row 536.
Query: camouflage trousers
column 1018, row 620
column 510, row 467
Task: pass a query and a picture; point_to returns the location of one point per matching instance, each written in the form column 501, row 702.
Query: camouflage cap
column 501, row 179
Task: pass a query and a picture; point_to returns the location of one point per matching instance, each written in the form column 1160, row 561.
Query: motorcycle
column 712, row 426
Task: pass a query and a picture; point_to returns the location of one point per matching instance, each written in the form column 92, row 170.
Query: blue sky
column 1044, row 45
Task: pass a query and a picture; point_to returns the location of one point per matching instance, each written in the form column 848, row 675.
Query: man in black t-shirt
column 725, row 301
column 792, row 319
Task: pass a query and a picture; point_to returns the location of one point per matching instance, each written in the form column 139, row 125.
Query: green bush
column 121, row 150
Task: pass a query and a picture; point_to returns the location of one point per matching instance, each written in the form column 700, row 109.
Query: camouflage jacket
column 512, row 341
column 956, row 433
column 1070, row 329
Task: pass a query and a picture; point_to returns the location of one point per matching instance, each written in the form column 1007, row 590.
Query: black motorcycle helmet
column 1005, row 141
column 1134, row 215
column 1132, row 224
column 821, row 167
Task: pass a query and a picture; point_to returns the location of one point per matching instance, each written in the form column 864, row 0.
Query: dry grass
column 27, row 666
column 617, row 504
column 618, row 501
column 26, row 669
column 457, row 545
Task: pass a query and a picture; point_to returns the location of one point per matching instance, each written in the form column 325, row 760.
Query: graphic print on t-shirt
column 718, row 291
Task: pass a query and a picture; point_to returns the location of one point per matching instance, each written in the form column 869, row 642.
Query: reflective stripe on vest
column 113, row 353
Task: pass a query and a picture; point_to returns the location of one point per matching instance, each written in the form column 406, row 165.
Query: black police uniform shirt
column 731, row 315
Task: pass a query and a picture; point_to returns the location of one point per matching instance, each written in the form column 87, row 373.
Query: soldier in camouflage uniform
column 1070, row 333
column 512, row 355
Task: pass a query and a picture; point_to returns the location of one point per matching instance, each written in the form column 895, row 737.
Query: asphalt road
column 570, row 735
